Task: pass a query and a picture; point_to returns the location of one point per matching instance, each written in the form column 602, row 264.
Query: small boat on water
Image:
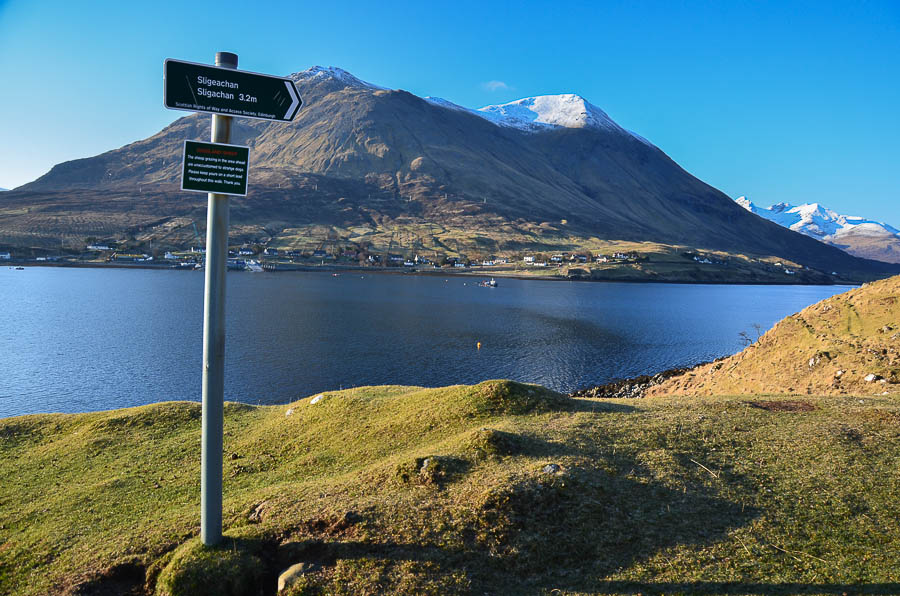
column 488, row 284
column 20, row 268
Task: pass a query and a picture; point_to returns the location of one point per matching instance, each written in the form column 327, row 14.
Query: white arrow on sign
column 295, row 101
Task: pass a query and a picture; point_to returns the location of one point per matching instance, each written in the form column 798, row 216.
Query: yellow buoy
column 478, row 345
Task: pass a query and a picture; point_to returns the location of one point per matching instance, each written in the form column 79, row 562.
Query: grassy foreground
column 404, row 490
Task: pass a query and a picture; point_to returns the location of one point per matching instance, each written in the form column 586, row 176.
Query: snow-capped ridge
column 335, row 73
column 445, row 103
column 818, row 221
column 544, row 112
column 567, row 110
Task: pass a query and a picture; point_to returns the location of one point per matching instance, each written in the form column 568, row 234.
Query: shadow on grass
column 566, row 531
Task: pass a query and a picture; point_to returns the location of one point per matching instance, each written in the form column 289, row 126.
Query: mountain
column 367, row 166
column 858, row 236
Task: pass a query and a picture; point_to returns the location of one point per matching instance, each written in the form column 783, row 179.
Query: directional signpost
column 202, row 88
column 221, row 170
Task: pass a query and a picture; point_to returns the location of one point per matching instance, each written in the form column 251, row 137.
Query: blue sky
column 780, row 101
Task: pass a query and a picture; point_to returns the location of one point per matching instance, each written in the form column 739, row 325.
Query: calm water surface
column 75, row 340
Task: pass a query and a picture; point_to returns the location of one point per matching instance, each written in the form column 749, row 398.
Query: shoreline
column 506, row 274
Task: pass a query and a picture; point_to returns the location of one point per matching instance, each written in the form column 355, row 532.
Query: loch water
column 76, row 340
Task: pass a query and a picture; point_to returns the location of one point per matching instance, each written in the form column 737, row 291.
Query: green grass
column 403, row 490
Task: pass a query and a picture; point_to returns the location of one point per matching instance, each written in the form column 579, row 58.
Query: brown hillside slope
column 827, row 348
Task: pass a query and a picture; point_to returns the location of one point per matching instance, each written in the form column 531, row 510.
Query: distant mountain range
column 384, row 168
column 858, row 236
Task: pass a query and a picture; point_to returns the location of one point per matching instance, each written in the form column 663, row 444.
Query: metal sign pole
column 214, row 343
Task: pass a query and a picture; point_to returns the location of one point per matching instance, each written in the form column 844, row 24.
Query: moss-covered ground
column 497, row 488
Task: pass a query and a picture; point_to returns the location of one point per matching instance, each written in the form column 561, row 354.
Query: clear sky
column 779, row 101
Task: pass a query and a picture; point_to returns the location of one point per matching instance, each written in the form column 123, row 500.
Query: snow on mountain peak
column 534, row 113
column 544, row 112
column 745, row 203
column 334, row 73
column 817, row 221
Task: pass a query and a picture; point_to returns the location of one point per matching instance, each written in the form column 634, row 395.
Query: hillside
column 366, row 166
column 865, row 238
column 497, row 488
column 829, row 348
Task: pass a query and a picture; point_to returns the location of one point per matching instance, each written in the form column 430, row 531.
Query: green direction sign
column 196, row 87
column 215, row 167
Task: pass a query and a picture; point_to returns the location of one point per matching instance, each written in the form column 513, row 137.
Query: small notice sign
column 215, row 167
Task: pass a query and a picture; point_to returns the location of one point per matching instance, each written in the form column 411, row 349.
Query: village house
column 5, row 256
column 133, row 258
column 529, row 260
